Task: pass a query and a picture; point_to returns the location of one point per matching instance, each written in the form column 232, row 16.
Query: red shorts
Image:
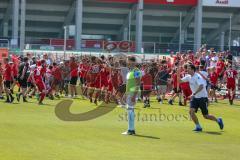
column 110, row 87
column 104, row 84
column 41, row 86
column 231, row 86
column 94, row 85
column 187, row 92
column 147, row 88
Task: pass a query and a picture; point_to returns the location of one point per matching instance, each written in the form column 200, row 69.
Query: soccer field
column 29, row 131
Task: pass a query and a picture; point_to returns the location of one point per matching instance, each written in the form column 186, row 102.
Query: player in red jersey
column 176, row 88
column 213, row 77
column 43, row 68
column 109, row 88
column 220, row 68
column 57, row 79
column 114, row 82
column 185, row 87
column 231, row 75
column 94, row 80
column 8, row 77
column 86, row 77
column 147, row 82
column 104, row 76
column 37, row 80
column 15, row 75
column 98, row 81
column 83, row 69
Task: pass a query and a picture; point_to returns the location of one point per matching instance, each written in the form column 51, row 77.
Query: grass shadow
column 144, row 136
column 212, row 133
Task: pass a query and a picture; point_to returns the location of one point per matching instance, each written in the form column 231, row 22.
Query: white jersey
column 213, row 62
column 195, row 81
column 204, row 76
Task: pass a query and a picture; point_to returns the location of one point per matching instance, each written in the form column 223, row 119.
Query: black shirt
column 21, row 69
column 162, row 77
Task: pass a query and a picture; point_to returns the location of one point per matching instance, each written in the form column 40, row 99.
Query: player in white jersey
column 199, row 98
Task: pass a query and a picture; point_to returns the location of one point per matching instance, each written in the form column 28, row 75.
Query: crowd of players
column 104, row 78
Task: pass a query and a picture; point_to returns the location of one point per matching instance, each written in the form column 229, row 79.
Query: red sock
column 42, row 96
column 229, row 96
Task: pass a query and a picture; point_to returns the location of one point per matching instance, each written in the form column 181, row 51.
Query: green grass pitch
column 32, row 132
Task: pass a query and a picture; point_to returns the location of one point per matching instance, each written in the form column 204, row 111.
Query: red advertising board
column 122, row 46
column 160, row 2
